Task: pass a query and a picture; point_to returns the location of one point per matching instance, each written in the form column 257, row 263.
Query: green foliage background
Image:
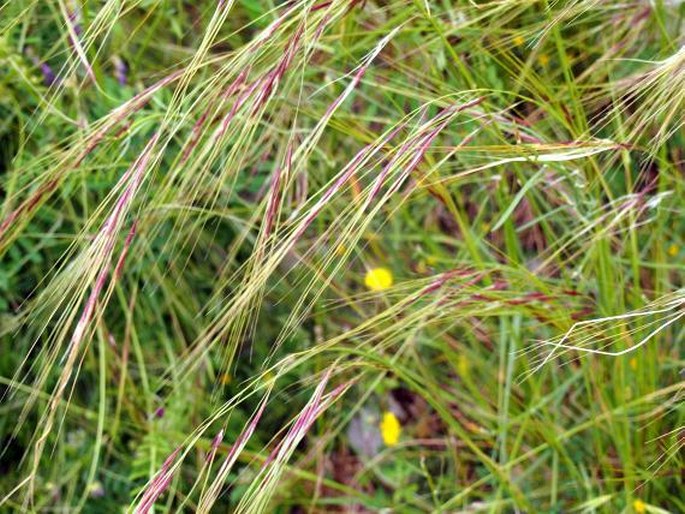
column 523, row 182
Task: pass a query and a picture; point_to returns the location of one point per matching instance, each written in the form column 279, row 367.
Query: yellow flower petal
column 463, row 365
column 673, row 250
column 518, row 40
column 639, row 507
column 378, row 279
column 390, row 429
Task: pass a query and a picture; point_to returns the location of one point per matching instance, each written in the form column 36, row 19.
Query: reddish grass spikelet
column 199, row 125
column 272, row 78
column 122, row 112
column 442, row 278
column 418, row 146
column 322, row 5
column 314, row 408
column 28, row 205
column 158, row 485
column 136, row 174
column 106, row 239
column 349, row 171
column 239, row 102
column 216, row 442
column 136, row 103
column 208, row 498
column 244, row 436
column 127, row 243
column 263, row 87
column 275, row 193
column 258, row 496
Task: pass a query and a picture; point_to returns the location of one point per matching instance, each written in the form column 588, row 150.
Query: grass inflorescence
column 342, row 256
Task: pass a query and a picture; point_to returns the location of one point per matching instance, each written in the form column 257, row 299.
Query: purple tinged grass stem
column 130, row 107
column 108, row 235
column 158, row 485
column 208, row 498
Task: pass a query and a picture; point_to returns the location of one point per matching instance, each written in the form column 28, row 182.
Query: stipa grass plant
column 341, row 256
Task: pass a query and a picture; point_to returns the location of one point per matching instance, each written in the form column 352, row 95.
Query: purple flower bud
column 120, row 71
column 49, row 77
column 75, row 21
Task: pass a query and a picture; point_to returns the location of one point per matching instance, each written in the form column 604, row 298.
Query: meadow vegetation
column 342, row 256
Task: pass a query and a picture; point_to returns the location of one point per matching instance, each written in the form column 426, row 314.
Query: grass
column 342, row 256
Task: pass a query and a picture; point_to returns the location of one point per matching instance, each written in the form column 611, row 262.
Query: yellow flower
column 673, row 250
column 390, row 429
column 543, row 59
column 378, row 279
column 463, row 365
column 518, row 40
column 639, row 507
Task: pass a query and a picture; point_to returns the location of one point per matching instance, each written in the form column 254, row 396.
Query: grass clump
column 342, row 256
